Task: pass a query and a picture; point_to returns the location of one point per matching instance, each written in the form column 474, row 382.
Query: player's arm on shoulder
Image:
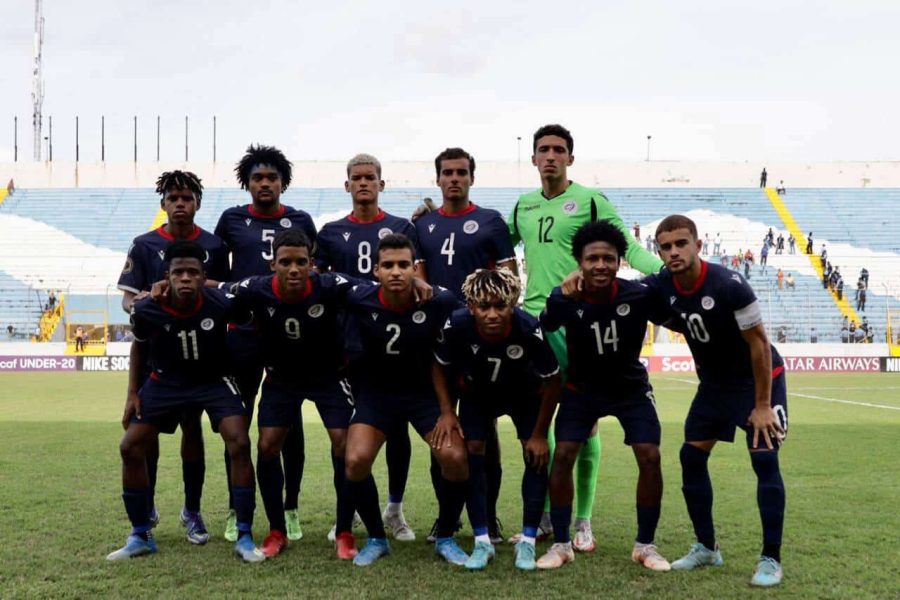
column 504, row 248
column 131, row 278
column 553, row 315
column 636, row 255
column 513, row 226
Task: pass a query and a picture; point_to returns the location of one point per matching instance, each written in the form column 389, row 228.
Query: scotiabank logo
column 672, row 364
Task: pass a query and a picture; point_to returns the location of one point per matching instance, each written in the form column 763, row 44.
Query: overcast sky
column 712, row 80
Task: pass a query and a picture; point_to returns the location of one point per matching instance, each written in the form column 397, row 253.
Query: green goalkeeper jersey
column 547, row 228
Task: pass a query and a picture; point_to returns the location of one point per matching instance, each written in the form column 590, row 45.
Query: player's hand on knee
column 766, row 426
column 572, row 285
column 537, row 452
column 443, row 431
column 132, row 407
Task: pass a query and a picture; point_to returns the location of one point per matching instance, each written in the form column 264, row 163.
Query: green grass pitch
column 61, row 510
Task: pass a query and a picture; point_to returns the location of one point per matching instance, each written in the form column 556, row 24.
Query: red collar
column 615, row 292
column 183, row 315
column 168, row 236
column 467, row 210
column 255, row 213
column 381, row 214
column 704, row 267
column 387, row 306
column 306, row 291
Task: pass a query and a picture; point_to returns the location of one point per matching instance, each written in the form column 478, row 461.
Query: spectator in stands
column 655, row 246
column 809, row 243
column 779, row 277
column 840, row 287
column 789, row 280
column 637, row 231
column 10, row 331
column 79, row 339
column 870, row 335
column 748, row 256
column 859, row 336
column 747, row 263
column 864, row 276
column 782, row 334
column 723, row 259
column 823, row 255
column 845, row 332
column 792, row 242
column 852, row 332
column 717, row 245
column 736, row 260
column 865, row 324
column 51, row 300
column 764, row 257
column 770, row 237
column 835, row 278
column 763, row 177
column 826, row 275
column 779, row 244
column 649, row 242
column 705, row 250
column 813, row 335
column 780, row 189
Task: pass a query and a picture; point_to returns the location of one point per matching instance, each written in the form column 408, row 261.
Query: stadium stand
column 74, row 240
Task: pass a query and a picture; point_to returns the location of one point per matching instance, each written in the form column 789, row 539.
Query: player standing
column 183, row 338
column 508, row 368
column 742, row 384
column 456, row 239
column 248, row 232
column 347, row 246
column 605, row 328
column 546, row 221
column 181, row 193
column 396, row 387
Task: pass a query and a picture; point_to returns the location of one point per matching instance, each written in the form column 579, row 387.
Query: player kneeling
column 507, row 368
column 183, row 336
column 605, row 327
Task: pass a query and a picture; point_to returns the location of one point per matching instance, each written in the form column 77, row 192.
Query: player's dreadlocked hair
column 484, row 284
column 263, row 155
column 182, row 180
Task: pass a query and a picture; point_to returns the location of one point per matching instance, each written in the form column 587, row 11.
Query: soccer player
column 181, row 194
column 248, row 232
column 296, row 313
column 396, row 387
column 347, row 246
column 546, row 221
column 742, row 384
column 508, row 368
column 456, row 239
column 605, row 328
column 183, row 338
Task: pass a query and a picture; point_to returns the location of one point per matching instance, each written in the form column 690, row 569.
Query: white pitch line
column 822, row 398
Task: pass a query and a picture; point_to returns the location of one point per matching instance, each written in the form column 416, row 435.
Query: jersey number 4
column 447, row 248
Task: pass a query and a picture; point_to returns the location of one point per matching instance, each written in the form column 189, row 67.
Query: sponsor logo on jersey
column 580, row 313
column 539, row 333
column 340, row 280
column 374, row 316
column 162, row 254
column 570, row 207
column 475, row 348
column 623, row 309
column 346, row 236
column 315, row 311
column 248, row 220
column 207, row 324
column 384, row 231
column 418, row 317
column 671, row 300
column 167, row 327
column 470, row 227
column 271, row 310
column 707, row 302
column 515, row 351
column 737, row 277
column 431, row 227
column 129, row 266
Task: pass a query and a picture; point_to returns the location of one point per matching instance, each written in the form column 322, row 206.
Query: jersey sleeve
column 218, row 264
column 513, row 226
column 554, row 313
column 545, row 363
column 500, row 240
column 442, row 346
column 140, row 326
column 238, row 309
column 341, row 284
column 636, row 255
column 309, row 228
column 410, row 231
column 133, row 276
column 222, row 230
column 742, row 300
column 322, row 255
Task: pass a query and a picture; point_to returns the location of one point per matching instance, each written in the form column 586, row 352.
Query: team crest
column 515, row 351
column 129, row 265
column 470, row 227
column 570, row 207
column 271, row 310
column 285, row 222
column 707, row 302
column 315, row 311
column 418, row 317
column 346, row 236
column 384, row 231
column 622, row 310
column 248, row 220
column 475, row 348
column 207, row 324
column 431, row 228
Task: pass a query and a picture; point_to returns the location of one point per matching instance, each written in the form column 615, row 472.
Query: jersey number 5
column 267, row 236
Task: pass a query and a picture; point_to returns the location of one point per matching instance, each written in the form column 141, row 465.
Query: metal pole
column 77, row 148
column 50, row 141
column 185, row 138
column 135, row 138
column 214, row 138
column 648, row 148
column 103, row 138
column 157, row 138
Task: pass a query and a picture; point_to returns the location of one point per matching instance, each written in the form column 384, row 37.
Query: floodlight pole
column 37, row 79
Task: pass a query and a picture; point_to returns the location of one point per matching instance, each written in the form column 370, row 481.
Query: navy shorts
column 389, row 412
column 280, row 403
column 164, row 404
column 476, row 415
column 245, row 363
column 718, row 410
column 635, row 410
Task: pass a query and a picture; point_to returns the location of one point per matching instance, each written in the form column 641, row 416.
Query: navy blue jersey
column 604, row 339
column 348, row 245
column 189, row 347
column 713, row 314
column 453, row 246
column 511, row 367
column 299, row 340
column 145, row 265
column 397, row 344
column 248, row 236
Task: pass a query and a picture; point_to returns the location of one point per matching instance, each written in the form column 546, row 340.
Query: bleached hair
column 364, row 159
column 484, row 284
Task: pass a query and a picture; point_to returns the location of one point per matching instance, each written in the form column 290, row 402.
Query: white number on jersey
column 447, row 248
column 496, row 372
column 392, row 327
column 695, row 326
column 267, row 236
column 610, row 337
column 292, row 328
column 364, row 260
column 190, row 353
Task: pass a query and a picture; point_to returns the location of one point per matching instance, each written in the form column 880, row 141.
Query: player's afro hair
column 185, row 249
column 395, row 241
column 484, row 284
column 557, row 130
column 182, row 180
column 292, row 238
column 263, row 155
column 598, row 231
